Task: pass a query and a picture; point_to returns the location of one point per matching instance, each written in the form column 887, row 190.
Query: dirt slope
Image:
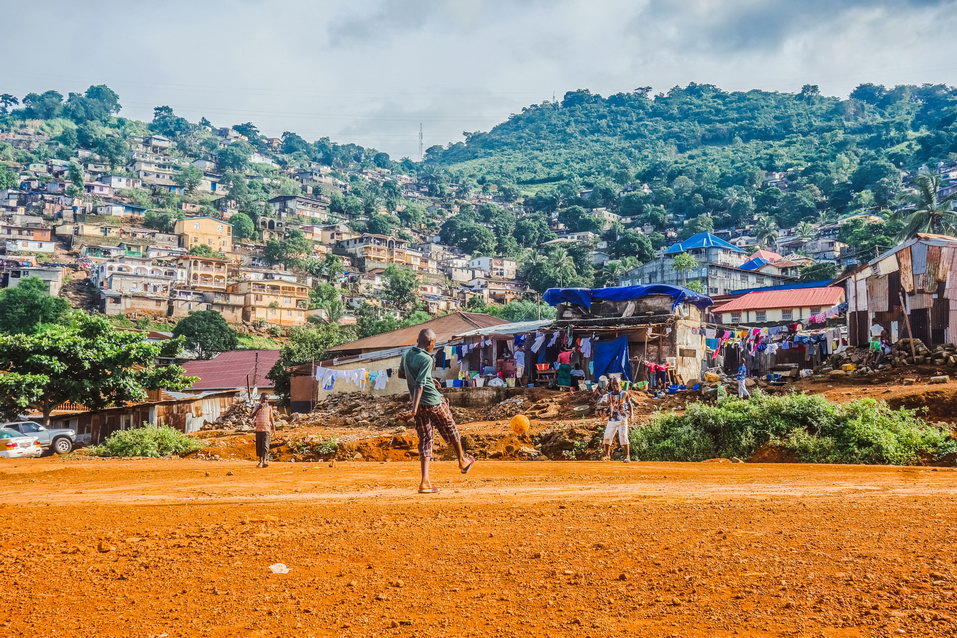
column 182, row 548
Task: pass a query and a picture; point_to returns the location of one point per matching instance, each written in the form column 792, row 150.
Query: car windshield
column 9, row 434
column 30, row 427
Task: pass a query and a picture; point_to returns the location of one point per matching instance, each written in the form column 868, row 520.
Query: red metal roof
column 767, row 255
column 228, row 370
column 823, row 297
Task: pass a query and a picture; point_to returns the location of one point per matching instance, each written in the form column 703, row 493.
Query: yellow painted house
column 205, row 231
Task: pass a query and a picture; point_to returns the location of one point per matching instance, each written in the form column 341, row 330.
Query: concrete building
column 205, row 231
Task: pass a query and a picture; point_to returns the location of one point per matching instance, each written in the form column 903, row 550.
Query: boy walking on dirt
column 429, row 409
column 263, row 420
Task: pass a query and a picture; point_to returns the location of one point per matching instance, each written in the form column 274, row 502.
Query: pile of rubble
column 355, row 409
column 238, row 417
column 906, row 352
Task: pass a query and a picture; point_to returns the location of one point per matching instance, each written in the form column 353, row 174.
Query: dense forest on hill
column 587, row 136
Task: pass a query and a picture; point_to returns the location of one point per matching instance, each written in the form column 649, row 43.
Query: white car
column 14, row 445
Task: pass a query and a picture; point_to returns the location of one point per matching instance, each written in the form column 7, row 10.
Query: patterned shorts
column 434, row 416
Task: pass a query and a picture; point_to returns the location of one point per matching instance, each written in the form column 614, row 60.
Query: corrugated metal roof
column 801, row 298
column 444, row 327
column 517, row 327
column 796, row 285
column 767, row 255
column 701, row 240
column 228, row 370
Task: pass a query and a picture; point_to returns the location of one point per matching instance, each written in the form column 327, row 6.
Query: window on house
column 760, row 315
column 735, row 317
column 787, row 314
column 815, row 310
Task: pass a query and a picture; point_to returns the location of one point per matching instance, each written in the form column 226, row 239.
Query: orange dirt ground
column 182, row 548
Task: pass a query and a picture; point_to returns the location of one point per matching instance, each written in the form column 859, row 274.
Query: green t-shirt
column 418, row 364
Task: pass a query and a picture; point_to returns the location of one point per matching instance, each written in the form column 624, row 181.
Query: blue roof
column 585, row 296
column 794, row 285
column 754, row 264
column 701, row 240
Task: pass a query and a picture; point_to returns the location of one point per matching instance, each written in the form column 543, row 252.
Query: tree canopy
column 206, row 333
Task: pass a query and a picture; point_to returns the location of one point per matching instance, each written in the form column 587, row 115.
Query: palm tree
column 561, row 265
column 683, row 263
column 765, row 231
column 926, row 210
column 804, row 230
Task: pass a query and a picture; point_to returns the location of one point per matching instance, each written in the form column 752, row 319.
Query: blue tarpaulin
column 611, row 356
column 585, row 296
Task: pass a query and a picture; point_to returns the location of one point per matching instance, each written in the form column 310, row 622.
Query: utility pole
column 421, row 154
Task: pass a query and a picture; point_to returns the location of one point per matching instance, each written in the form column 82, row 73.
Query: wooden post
column 910, row 333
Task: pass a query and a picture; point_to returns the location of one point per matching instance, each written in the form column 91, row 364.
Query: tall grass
column 807, row 427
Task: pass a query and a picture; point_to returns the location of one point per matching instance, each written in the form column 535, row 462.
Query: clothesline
column 361, row 377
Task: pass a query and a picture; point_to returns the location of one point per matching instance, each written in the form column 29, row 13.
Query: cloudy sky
column 369, row 71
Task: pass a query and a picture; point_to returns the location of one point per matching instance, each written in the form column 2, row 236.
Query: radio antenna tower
column 421, row 155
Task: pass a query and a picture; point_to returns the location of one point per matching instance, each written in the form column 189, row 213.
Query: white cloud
column 369, row 72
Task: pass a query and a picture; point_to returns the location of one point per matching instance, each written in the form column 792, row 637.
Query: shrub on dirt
column 811, row 428
column 149, row 440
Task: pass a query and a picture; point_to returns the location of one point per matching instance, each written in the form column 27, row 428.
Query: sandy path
column 181, row 547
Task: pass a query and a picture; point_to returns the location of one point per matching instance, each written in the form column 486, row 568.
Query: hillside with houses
column 151, row 221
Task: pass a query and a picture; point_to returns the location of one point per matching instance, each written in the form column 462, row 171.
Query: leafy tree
column 166, row 122
column 820, row 271
column 29, row 305
column 556, row 268
column 328, row 298
column 306, row 344
column 381, row 224
column 189, row 177
column 684, row 263
column 206, row 333
column 8, row 179
column 804, row 230
column 98, row 103
column 699, row 224
column 290, row 251
column 42, row 106
column 163, row 221
column 401, row 289
column 927, row 212
column 234, row 157
column 532, row 231
column 373, row 320
column 86, row 361
column 6, row 101
column 202, row 250
column 243, row 226
column 633, row 244
column 868, row 239
column 412, row 215
column 74, row 175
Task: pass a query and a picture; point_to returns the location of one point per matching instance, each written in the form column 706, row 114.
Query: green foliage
column 206, row 333
column 149, row 441
column 305, row 344
column 163, row 221
column 8, row 179
column 808, row 427
column 29, row 305
column 329, row 299
column 234, row 157
column 189, row 178
column 202, row 250
column 818, row 272
column 632, row 244
column 401, row 290
column 518, row 310
column 243, row 226
column 86, row 361
column 291, row 251
column 323, row 448
column 97, row 103
column 926, row 211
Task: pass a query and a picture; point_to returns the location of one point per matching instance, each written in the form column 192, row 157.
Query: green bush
column 149, row 440
column 809, row 427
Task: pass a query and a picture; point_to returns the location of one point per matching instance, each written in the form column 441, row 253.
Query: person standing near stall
column 564, row 376
column 743, row 382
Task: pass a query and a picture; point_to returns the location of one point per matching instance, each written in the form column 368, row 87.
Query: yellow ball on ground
column 520, row 424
